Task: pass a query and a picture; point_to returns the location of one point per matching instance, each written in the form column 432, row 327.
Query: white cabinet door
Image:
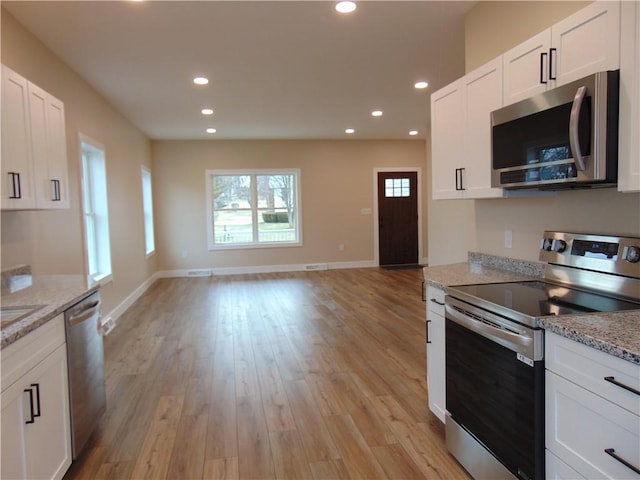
column 49, row 149
column 446, row 141
column 17, row 169
column 482, row 94
column 48, row 439
column 57, row 144
column 436, row 381
column 582, row 426
column 586, row 42
column 14, row 462
column 526, row 68
column 629, row 148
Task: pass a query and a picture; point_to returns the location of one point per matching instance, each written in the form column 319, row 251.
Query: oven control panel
column 601, row 253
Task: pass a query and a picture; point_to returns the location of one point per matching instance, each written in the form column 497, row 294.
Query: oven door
column 494, row 392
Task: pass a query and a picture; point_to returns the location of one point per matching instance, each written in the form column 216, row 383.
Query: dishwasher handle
column 89, row 311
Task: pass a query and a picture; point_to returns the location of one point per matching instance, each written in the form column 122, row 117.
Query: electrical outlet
column 508, row 239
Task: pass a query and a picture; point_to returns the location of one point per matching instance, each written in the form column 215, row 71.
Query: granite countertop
column 55, row 293
column 615, row 333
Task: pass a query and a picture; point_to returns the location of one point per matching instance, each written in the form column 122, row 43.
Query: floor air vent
column 315, row 266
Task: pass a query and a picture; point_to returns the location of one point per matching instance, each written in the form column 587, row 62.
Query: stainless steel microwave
column 566, row 137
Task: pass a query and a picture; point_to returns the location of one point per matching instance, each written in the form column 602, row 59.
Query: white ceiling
column 283, row 70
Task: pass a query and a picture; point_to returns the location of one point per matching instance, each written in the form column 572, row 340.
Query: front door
column 398, row 218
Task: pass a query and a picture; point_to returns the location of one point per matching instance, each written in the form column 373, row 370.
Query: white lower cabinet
column 436, row 384
column 592, row 424
column 35, row 423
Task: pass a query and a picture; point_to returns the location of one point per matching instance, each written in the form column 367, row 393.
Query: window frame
column 211, row 173
column 97, row 240
column 147, row 211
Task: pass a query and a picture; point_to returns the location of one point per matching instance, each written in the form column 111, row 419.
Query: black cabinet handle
column 426, row 330
column 437, row 302
column 56, row 190
column 621, row 385
column 612, row 452
column 552, row 52
column 543, row 57
column 15, row 185
column 30, row 392
column 424, row 291
column 33, row 412
column 459, row 184
column 37, row 387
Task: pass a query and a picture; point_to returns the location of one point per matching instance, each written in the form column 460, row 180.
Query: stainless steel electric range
column 495, row 348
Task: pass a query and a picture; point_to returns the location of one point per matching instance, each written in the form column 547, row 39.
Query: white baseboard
column 114, row 314
column 267, row 269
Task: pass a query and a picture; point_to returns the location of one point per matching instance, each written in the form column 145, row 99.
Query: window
column 95, row 210
column 396, row 187
column 253, row 208
column 147, row 206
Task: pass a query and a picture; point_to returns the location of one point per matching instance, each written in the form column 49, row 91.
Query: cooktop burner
column 537, row 299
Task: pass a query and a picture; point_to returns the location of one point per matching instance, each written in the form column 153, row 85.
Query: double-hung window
column 253, row 208
column 95, row 211
column 147, row 206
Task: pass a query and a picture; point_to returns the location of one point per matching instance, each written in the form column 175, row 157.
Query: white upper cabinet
column 49, row 149
column 629, row 148
column 446, row 144
column 482, row 93
column 526, row 68
column 34, row 149
column 584, row 43
column 461, row 134
column 17, row 169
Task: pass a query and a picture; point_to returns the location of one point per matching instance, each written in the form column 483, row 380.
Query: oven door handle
column 513, row 341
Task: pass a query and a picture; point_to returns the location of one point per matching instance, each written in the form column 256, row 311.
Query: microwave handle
column 574, row 138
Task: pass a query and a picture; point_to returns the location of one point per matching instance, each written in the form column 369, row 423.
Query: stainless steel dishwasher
column 86, row 369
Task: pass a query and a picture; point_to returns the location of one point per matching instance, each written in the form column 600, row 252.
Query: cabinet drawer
column 580, row 426
column 21, row 356
column 435, row 300
column 589, row 367
column 556, row 469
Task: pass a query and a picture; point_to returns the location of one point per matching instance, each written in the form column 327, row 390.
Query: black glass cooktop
column 538, row 299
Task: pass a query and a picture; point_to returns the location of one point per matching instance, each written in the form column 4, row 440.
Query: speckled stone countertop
column 55, row 293
column 615, row 333
column 483, row 268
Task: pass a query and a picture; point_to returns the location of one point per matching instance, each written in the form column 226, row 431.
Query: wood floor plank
column 153, row 461
column 354, row 451
column 221, row 469
column 254, row 450
column 274, row 375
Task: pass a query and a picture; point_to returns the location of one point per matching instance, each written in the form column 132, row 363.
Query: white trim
column 209, row 173
column 376, row 239
column 130, row 300
column 301, row 267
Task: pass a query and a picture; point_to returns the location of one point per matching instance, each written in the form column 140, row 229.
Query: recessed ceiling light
column 345, row 7
column 376, row 113
column 421, row 84
column 349, row 130
column 413, row 132
column 207, row 111
column 201, row 80
column 211, row 130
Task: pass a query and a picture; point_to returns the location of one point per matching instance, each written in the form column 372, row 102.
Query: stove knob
column 546, row 244
column 559, row 246
column 633, row 255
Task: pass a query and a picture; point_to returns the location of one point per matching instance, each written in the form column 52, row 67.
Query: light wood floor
column 298, row 375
